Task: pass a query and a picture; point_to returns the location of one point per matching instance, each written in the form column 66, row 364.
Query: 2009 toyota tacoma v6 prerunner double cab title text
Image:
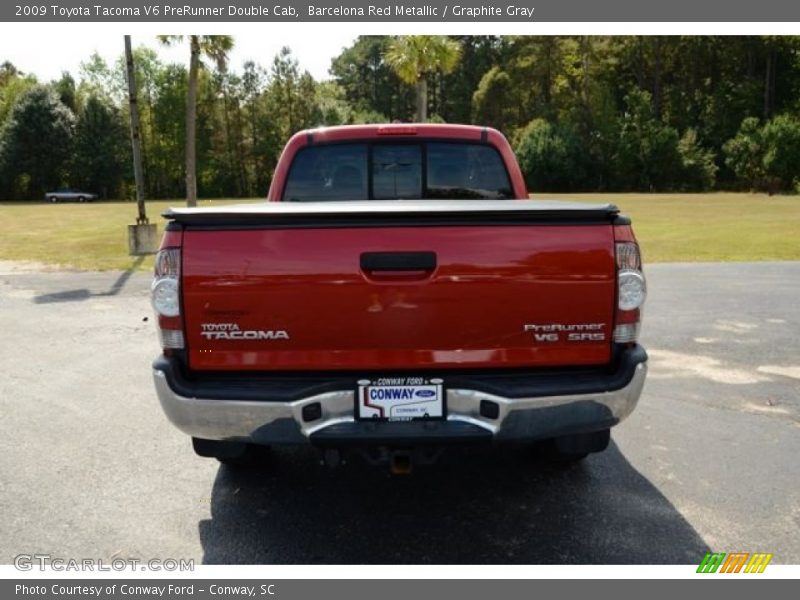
column 398, row 292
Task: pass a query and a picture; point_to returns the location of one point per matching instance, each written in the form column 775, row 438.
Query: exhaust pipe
column 400, row 462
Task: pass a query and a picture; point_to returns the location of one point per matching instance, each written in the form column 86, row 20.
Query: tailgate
column 390, row 296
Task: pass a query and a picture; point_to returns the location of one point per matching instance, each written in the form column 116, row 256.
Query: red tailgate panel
column 471, row 311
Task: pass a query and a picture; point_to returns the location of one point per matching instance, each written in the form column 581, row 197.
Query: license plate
column 399, row 398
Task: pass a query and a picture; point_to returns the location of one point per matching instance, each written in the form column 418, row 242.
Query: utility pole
column 142, row 237
column 136, row 140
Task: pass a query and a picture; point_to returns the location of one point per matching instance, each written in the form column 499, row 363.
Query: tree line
column 584, row 113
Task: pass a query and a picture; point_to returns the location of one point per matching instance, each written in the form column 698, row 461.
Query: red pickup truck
column 398, row 292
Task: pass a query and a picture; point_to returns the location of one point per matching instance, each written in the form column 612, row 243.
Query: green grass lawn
column 670, row 227
column 82, row 236
column 708, row 227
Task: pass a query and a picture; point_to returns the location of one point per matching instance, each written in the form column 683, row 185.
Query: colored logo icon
column 735, row 562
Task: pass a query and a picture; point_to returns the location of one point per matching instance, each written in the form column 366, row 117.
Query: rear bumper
column 527, row 407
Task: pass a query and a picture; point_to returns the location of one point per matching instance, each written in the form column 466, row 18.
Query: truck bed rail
column 395, row 213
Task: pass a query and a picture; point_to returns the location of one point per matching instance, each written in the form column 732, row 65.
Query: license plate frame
column 400, row 398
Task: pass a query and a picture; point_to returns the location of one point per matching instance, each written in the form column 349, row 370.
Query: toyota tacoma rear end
column 397, row 293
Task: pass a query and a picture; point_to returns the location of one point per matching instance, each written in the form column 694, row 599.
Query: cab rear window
column 397, row 171
column 336, row 172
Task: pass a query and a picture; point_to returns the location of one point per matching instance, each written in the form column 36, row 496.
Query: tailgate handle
column 398, row 261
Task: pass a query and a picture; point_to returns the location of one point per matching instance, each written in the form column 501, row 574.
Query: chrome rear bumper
column 527, row 418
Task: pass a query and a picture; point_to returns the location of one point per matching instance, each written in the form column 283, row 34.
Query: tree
column 215, row 47
column 370, row 84
column 291, row 96
column 67, row 92
column 101, row 154
column 36, row 143
column 647, row 155
column 479, row 53
column 97, row 78
column 550, row 157
column 626, row 113
column 13, row 85
column 8, row 71
column 416, row 57
column 488, row 102
column 766, row 156
column 781, row 159
column 698, row 169
column 253, row 81
column 536, row 66
column 744, row 153
column 163, row 93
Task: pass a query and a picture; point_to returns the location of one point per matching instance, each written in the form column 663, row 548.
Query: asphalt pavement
column 708, row 461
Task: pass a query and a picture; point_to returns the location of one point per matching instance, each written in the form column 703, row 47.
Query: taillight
column 631, row 287
column 632, row 290
column 166, row 297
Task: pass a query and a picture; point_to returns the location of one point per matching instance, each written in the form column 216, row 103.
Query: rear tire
column 573, row 448
column 231, row 454
column 53, row 199
column 81, row 199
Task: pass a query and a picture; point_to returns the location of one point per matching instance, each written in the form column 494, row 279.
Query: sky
column 27, row 53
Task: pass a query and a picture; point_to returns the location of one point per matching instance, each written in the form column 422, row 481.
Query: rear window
column 396, row 171
column 336, row 172
column 385, row 171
